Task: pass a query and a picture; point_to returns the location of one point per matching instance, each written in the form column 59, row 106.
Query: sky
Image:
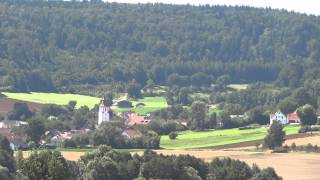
column 302, row 6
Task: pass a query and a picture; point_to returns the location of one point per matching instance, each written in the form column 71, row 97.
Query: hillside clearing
column 6, row 105
column 151, row 104
column 208, row 139
column 54, row 98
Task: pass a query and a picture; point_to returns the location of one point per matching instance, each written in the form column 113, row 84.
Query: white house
column 10, row 124
column 280, row 117
column 104, row 112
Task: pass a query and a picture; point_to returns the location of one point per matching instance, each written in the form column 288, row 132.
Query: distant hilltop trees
column 76, row 46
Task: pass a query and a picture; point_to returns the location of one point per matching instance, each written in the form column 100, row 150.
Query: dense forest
column 76, row 46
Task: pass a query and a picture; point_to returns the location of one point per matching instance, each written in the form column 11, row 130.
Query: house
column 238, row 117
column 56, row 138
column 16, row 141
column 104, row 112
column 132, row 133
column 135, row 119
column 10, row 124
column 293, row 117
column 280, row 117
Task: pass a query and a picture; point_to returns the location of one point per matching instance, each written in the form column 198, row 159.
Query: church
column 104, row 111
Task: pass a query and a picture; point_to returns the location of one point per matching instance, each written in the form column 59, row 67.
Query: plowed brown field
column 6, row 105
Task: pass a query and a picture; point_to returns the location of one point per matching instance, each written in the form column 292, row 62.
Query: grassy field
column 191, row 140
column 53, row 98
column 151, row 104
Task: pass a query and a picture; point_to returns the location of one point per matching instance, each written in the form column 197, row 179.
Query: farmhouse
column 56, row 138
column 293, row 117
column 16, row 141
column 280, row 117
column 135, row 119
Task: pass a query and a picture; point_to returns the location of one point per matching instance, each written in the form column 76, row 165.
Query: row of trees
column 106, row 163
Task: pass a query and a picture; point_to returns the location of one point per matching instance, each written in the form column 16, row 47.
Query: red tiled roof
column 293, row 117
column 134, row 119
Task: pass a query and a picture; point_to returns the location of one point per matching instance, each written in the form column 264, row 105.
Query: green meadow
column 54, row 98
column 151, row 104
column 207, row 139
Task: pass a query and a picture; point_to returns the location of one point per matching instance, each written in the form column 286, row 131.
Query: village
column 55, row 138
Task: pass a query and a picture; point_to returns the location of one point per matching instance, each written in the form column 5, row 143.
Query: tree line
column 106, row 163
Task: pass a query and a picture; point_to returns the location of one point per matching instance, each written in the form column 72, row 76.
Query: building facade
column 280, row 117
column 104, row 112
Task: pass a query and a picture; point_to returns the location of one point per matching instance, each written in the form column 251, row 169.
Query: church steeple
column 104, row 111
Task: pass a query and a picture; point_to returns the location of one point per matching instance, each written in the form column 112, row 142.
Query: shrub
column 124, row 104
column 293, row 146
column 140, row 105
column 69, row 143
column 173, row 135
column 304, row 129
column 309, row 148
column 280, row 150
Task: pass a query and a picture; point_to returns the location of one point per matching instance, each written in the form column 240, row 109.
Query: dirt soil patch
column 72, row 156
column 6, row 105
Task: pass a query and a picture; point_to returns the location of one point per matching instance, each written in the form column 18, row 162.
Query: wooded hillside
column 53, row 46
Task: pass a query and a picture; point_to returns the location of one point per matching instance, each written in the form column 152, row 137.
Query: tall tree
column 275, row 136
column 307, row 115
column 198, row 115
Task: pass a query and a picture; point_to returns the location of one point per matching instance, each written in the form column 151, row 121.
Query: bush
column 173, row 135
column 124, row 104
column 140, row 105
column 293, row 146
column 304, row 129
column 69, row 143
column 280, row 150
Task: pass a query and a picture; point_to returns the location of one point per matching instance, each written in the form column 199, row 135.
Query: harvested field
column 72, row 156
column 6, row 105
column 291, row 166
column 314, row 140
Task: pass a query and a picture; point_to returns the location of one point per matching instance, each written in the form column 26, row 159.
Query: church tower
column 104, row 112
